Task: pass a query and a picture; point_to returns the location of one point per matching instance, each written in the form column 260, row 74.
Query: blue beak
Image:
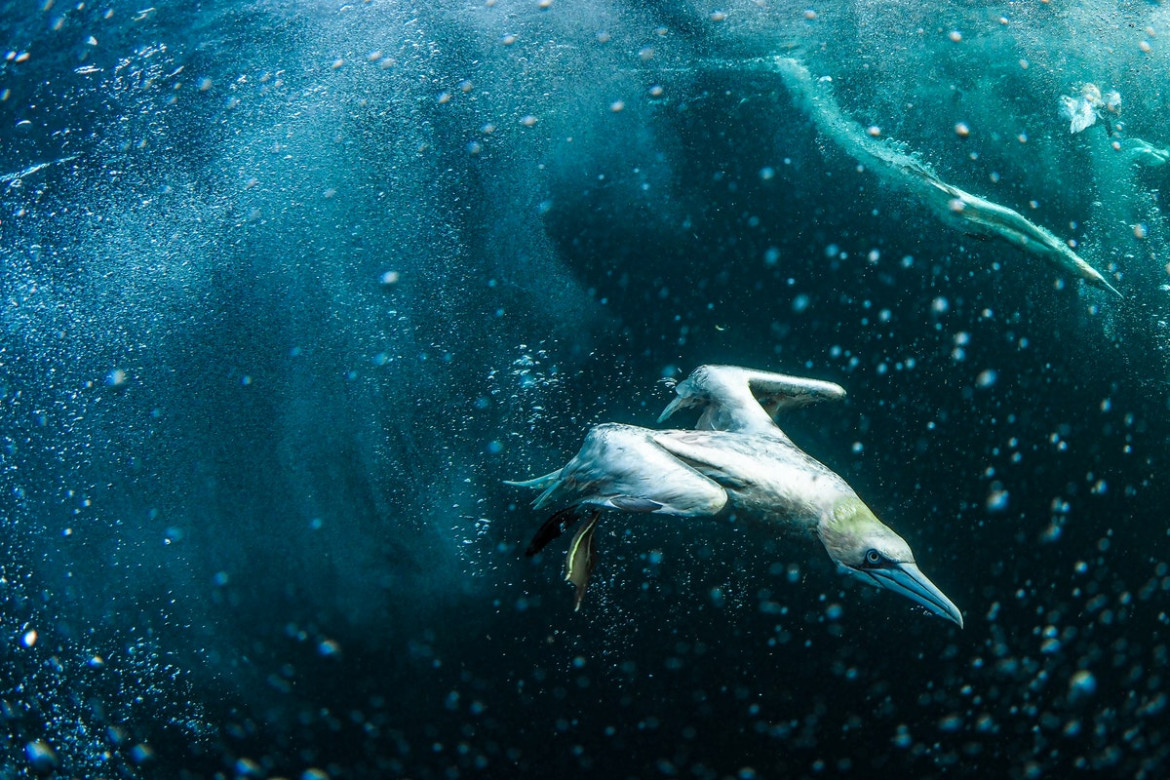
column 906, row 579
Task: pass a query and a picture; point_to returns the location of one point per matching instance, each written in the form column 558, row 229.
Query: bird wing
column 622, row 467
column 743, row 400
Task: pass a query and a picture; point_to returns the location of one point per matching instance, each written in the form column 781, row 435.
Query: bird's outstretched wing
column 622, row 467
column 742, row 400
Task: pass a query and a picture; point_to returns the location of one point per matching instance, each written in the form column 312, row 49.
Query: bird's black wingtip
column 552, row 528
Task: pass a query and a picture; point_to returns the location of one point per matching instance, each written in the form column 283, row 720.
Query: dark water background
column 250, row 485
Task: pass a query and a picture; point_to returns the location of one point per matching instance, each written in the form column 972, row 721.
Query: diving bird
column 736, row 459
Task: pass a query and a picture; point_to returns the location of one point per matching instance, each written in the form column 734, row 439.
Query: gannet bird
column 953, row 206
column 736, row 459
column 1144, row 153
column 1083, row 112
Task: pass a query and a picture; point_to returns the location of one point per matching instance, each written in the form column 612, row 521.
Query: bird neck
column 845, row 521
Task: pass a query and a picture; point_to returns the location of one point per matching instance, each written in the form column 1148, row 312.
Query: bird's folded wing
column 744, row 400
column 621, row 467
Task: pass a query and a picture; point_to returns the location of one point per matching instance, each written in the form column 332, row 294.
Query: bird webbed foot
column 581, row 558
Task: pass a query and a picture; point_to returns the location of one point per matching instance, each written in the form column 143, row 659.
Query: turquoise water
column 289, row 289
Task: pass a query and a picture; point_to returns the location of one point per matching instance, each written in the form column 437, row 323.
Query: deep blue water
column 304, row 282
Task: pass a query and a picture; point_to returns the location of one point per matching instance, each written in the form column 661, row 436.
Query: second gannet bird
column 736, row 459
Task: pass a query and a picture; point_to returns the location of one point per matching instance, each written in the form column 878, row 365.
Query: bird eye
column 873, row 557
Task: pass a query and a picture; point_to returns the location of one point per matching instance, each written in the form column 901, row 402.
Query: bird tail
column 549, row 484
column 539, row 483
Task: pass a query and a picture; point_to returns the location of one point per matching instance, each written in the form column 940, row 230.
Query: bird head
column 864, row 547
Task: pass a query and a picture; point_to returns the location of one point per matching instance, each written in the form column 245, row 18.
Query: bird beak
column 906, row 579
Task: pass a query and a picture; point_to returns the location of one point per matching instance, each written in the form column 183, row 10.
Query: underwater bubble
column 986, row 378
column 30, row 638
column 997, row 500
column 246, row 767
column 141, row 753
column 41, row 756
column 1082, row 685
column 950, row 723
